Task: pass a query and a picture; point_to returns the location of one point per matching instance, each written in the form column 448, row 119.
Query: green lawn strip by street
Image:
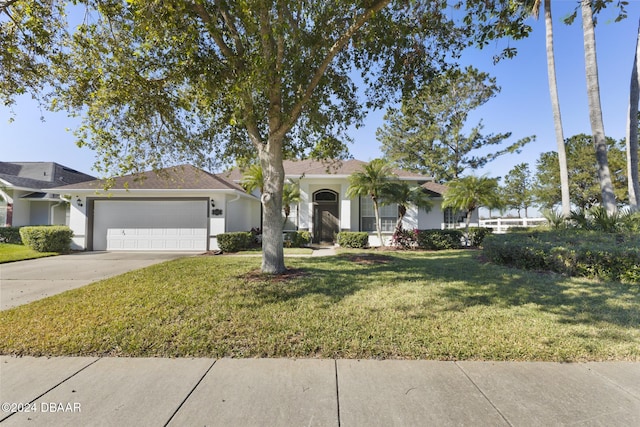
column 430, row 305
column 10, row 253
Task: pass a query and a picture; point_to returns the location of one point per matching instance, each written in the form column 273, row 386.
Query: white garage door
column 163, row 225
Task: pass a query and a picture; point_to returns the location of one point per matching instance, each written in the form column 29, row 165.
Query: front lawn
column 438, row 305
column 10, row 253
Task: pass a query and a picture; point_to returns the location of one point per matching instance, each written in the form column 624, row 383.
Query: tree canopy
column 517, row 190
column 583, row 180
column 425, row 134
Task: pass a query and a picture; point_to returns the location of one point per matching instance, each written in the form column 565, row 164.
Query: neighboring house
column 26, row 197
column 185, row 208
column 324, row 208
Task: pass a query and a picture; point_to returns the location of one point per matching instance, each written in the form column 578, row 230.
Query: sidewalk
column 84, row 391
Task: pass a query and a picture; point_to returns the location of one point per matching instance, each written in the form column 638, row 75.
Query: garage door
column 164, row 225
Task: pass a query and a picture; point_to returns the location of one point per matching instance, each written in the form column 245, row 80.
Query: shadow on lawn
column 575, row 300
column 465, row 282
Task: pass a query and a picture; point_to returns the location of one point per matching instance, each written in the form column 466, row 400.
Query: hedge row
column 242, row 240
column 48, row 238
column 234, row 242
column 570, row 252
column 10, row 235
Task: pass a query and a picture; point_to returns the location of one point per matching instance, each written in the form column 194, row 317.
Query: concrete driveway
column 26, row 281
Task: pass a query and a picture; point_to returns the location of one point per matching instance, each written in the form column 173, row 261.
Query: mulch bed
column 257, row 275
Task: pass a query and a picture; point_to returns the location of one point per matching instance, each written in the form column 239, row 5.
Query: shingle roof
column 183, row 177
column 297, row 168
column 435, row 188
column 40, row 175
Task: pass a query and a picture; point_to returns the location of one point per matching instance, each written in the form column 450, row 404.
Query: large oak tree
column 158, row 82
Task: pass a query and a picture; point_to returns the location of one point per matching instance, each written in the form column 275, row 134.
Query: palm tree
column 371, row 182
column 253, row 179
column 632, row 132
column 595, row 108
column 290, row 195
column 469, row 193
column 534, row 8
column 403, row 194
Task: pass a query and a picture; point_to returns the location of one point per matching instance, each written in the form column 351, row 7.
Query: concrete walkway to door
column 26, row 281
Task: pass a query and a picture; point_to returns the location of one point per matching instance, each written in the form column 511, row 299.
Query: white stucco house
column 26, row 197
column 185, row 208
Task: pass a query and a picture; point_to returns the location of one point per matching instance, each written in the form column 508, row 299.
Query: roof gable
column 40, row 175
column 183, row 177
column 328, row 168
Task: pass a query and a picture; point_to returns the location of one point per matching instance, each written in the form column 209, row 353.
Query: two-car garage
column 150, row 224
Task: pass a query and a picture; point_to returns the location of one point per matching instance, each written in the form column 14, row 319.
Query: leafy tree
column 584, row 185
column 517, row 192
column 290, row 196
column 425, row 134
column 253, row 179
column 470, row 193
column 405, row 195
column 190, row 81
column 372, row 181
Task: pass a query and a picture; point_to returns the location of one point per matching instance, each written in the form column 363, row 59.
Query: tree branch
column 5, row 5
column 229, row 22
column 200, row 10
column 333, row 51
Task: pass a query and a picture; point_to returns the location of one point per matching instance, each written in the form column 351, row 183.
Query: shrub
column 48, row 238
column 477, row 235
column 297, row 239
column 353, row 239
column 234, row 242
column 10, row 235
column 609, row 256
column 404, row 239
column 439, row 239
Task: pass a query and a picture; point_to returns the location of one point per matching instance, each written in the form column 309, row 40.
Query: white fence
column 501, row 225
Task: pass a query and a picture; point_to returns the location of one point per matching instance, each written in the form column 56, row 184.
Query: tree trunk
column 632, row 132
column 402, row 211
column 272, row 241
column 595, row 108
column 555, row 106
column 467, row 225
column 376, row 210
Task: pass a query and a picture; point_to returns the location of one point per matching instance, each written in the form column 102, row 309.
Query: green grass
column 10, row 253
column 439, row 305
column 287, row 251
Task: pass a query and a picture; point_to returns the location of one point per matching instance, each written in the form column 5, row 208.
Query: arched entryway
column 326, row 216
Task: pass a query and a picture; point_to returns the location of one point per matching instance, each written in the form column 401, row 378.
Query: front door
column 326, row 223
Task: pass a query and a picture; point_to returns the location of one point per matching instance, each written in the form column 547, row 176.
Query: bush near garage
column 593, row 254
column 353, row 239
column 235, row 241
column 10, row 235
column 436, row 240
column 47, row 238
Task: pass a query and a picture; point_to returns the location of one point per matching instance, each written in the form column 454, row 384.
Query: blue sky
column 522, row 107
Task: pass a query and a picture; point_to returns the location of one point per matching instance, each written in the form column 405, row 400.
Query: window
column 388, row 216
column 453, row 217
column 325, row 196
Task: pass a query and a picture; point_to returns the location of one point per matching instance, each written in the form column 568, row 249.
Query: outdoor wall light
column 79, row 202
